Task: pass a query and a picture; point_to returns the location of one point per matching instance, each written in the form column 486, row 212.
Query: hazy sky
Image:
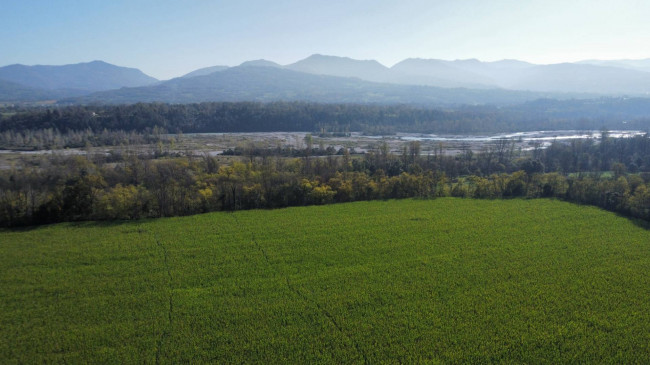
column 166, row 38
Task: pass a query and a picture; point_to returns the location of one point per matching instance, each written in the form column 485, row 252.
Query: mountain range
column 323, row 78
column 267, row 84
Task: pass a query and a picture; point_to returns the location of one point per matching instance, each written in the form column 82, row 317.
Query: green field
column 447, row 280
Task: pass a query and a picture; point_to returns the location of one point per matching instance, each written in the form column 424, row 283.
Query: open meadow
column 446, row 280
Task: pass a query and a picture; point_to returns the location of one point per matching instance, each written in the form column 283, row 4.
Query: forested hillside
column 595, row 114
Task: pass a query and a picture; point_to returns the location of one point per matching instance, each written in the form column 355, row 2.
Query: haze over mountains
column 267, row 84
column 79, row 79
column 332, row 79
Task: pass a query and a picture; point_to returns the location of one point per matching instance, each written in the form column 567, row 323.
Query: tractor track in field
column 170, row 310
column 306, row 298
column 330, row 317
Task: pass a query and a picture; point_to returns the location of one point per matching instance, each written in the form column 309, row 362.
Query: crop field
column 447, row 280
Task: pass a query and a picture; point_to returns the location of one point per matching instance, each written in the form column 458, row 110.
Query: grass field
column 447, row 280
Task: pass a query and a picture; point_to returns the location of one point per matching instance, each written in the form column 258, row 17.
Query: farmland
column 446, row 280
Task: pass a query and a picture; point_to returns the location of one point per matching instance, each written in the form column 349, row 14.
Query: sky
column 166, row 38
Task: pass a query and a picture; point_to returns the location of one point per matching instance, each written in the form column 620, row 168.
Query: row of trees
column 333, row 118
column 42, row 139
column 69, row 188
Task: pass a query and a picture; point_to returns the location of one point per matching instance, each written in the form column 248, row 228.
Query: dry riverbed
column 216, row 143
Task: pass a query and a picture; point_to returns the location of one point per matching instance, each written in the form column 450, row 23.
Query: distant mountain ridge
column 13, row 92
column 41, row 82
column 605, row 78
column 324, row 78
column 438, row 72
column 261, row 63
column 266, row 84
column 90, row 76
column 639, row 65
column 571, row 77
column 593, row 77
column 204, row 71
column 403, row 73
column 317, row 64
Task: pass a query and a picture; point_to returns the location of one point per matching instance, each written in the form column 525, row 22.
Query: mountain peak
column 468, row 60
column 90, row 76
column 319, row 61
column 329, row 58
column 319, row 64
column 260, row 63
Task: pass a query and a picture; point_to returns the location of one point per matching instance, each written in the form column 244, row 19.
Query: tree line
column 613, row 174
column 329, row 118
column 51, row 139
